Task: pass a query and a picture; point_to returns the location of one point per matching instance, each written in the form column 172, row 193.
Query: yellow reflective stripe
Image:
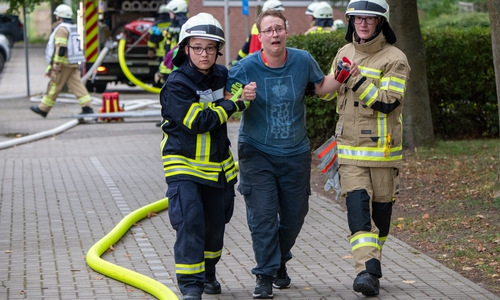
column 241, row 53
column 370, row 154
column 223, row 116
column 370, row 73
column 381, row 241
column 84, row 99
column 369, row 95
column 212, row 255
column 179, row 170
column 329, row 96
column 364, row 240
column 230, row 168
column 191, row 115
column 61, row 41
column 382, row 130
column 47, row 101
column 394, row 84
column 178, row 159
column 60, row 59
column 190, row 268
column 203, row 146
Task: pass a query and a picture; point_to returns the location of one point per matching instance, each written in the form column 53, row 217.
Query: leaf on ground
column 409, row 281
column 426, row 216
column 9, row 251
column 152, row 214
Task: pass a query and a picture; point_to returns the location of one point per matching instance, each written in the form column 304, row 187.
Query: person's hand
column 354, row 70
column 249, row 91
column 48, row 71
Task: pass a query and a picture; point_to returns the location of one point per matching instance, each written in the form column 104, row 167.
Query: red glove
column 342, row 72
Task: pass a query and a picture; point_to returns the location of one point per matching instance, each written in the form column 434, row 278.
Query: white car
column 4, row 51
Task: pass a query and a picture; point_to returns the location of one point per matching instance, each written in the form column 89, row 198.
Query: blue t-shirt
column 275, row 121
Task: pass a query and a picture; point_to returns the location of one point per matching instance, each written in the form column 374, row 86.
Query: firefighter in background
column 198, row 164
column 369, row 134
column 63, row 53
column 252, row 43
column 310, row 11
column 178, row 15
column 156, row 42
column 323, row 19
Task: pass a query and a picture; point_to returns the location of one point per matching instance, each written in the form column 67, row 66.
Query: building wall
column 297, row 21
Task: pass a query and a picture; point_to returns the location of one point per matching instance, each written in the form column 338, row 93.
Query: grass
column 447, row 207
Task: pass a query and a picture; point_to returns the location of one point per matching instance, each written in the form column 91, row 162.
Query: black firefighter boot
column 367, row 284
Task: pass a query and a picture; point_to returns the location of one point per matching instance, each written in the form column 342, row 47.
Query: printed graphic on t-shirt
column 280, row 94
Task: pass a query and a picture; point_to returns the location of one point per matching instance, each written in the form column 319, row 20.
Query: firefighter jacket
column 319, row 29
column 195, row 145
column 157, row 35
column 370, row 126
column 252, row 44
column 63, row 46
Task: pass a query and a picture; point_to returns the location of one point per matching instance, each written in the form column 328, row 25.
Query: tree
column 417, row 119
column 494, row 12
column 19, row 5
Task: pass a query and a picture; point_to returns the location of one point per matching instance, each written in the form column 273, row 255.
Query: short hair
column 272, row 13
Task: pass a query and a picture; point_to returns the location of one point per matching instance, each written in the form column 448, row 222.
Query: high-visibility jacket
column 370, row 126
column 319, row 29
column 157, row 38
column 195, row 145
column 252, row 43
column 65, row 35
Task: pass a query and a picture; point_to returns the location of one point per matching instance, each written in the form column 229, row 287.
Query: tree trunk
column 417, row 119
column 494, row 11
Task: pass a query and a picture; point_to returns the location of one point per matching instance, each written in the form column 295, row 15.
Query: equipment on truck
column 102, row 24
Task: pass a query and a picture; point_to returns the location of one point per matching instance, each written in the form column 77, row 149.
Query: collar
column 196, row 75
column 372, row 46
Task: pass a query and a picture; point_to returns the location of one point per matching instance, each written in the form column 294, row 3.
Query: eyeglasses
column 199, row 50
column 269, row 32
column 368, row 20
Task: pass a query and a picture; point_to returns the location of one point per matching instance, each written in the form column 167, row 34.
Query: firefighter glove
column 237, row 90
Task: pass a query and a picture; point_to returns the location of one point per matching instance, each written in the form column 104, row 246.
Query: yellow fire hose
column 128, row 74
column 127, row 276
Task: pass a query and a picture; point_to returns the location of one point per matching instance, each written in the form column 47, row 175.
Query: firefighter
column 369, row 134
column 178, row 15
column 156, row 42
column 310, row 12
column 198, row 164
column 323, row 19
column 252, row 43
column 63, row 53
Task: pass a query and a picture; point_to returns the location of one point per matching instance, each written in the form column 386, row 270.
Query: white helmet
column 273, row 4
column 177, row 6
column 323, row 11
column 163, row 9
column 311, row 7
column 367, row 7
column 204, row 26
column 338, row 24
column 64, row 11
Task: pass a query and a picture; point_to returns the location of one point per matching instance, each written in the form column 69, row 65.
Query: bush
column 460, row 76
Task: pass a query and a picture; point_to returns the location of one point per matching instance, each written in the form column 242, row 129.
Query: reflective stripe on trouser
column 276, row 191
column 71, row 77
column 198, row 213
column 369, row 193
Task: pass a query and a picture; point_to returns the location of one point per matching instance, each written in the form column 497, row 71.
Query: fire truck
column 102, row 24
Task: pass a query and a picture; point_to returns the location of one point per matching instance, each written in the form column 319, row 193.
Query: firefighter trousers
column 69, row 75
column 370, row 193
column 198, row 213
